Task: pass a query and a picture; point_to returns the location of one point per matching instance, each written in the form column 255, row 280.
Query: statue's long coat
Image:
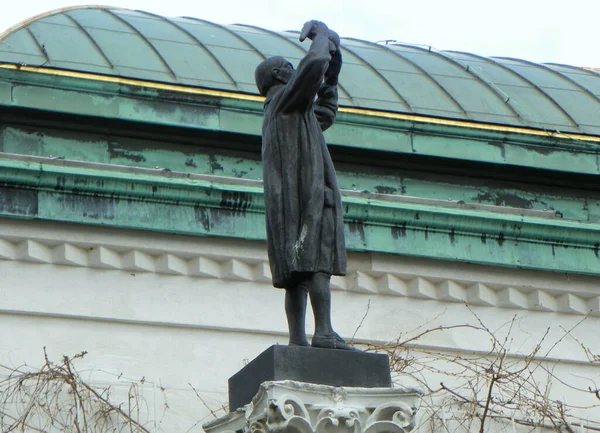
column 305, row 230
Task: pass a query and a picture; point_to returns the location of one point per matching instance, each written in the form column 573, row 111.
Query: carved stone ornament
column 297, row 407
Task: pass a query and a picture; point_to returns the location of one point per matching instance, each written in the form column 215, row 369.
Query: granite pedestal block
column 311, row 365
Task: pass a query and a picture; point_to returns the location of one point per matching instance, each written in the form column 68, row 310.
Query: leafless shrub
column 55, row 398
column 465, row 392
column 492, row 391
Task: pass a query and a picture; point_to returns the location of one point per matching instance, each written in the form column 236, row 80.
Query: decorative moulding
column 289, row 406
column 380, row 274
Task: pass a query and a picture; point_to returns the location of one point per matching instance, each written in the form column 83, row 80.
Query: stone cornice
column 94, row 194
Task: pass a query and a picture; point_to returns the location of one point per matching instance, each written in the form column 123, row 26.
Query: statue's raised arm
column 302, row 84
column 303, row 205
column 326, row 105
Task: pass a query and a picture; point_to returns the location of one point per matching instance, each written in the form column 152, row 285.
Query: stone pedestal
column 297, row 407
column 311, row 365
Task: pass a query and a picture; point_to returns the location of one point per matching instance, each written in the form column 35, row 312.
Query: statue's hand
column 313, row 29
column 335, row 66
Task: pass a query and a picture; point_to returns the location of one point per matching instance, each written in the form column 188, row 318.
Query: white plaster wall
column 179, row 311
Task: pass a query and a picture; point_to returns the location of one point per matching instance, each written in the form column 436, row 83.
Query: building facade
column 132, row 220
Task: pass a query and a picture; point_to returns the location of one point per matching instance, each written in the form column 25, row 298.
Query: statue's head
column 272, row 72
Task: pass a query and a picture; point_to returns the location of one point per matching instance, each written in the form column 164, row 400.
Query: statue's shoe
column 331, row 341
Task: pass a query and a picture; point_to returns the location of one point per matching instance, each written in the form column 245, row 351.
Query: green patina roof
column 393, row 77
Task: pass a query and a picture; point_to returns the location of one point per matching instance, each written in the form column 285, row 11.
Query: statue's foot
column 331, row 341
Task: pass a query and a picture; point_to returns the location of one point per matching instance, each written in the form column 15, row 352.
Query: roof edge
column 422, row 119
column 28, row 21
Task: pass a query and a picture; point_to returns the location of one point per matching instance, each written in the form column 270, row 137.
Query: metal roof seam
column 490, row 60
column 197, row 41
column 146, row 41
column 234, row 34
column 479, row 77
column 92, row 40
column 58, row 11
column 382, row 77
column 425, row 73
column 563, row 76
column 593, row 70
column 538, row 88
column 40, row 46
column 584, row 70
column 274, row 33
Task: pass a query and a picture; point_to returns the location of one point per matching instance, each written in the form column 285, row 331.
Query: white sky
column 556, row 31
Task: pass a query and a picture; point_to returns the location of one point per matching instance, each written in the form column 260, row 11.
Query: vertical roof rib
column 196, row 40
column 479, row 77
column 146, row 41
column 92, row 40
column 385, row 80
column 535, row 86
column 39, row 46
column 419, row 68
column 558, row 74
column 232, row 33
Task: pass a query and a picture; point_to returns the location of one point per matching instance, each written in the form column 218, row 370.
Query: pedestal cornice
column 290, row 406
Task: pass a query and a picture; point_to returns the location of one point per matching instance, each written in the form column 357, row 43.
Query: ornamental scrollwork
column 296, row 407
column 393, row 417
column 288, row 414
column 338, row 419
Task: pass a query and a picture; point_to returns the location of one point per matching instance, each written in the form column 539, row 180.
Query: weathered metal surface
column 18, row 202
column 215, row 206
column 205, row 156
column 402, row 78
column 206, row 112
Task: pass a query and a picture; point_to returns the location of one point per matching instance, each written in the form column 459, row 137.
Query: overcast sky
column 556, row 31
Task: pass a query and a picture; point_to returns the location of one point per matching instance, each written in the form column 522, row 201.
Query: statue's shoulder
column 273, row 103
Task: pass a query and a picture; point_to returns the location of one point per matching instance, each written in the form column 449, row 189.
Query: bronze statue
column 304, row 217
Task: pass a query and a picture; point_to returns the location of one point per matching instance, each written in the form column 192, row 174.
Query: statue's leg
column 295, row 310
column 320, row 299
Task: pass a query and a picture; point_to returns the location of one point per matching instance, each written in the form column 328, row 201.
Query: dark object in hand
column 312, row 29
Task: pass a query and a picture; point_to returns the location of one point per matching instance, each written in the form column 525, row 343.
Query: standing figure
column 304, row 217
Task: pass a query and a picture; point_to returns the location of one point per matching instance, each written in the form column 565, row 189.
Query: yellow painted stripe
column 133, row 82
column 257, row 98
column 473, row 125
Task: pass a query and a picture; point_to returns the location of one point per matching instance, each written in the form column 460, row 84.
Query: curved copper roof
column 394, row 77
